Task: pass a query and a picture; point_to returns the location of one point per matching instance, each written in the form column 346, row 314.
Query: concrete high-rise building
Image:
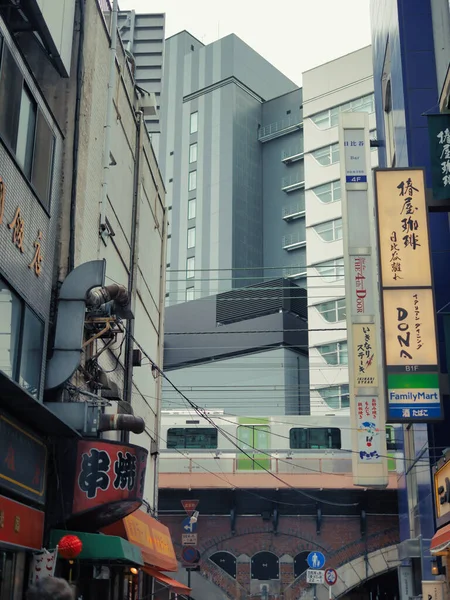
column 344, row 84
column 230, row 153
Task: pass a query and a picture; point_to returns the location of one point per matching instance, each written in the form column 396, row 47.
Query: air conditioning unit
column 147, row 104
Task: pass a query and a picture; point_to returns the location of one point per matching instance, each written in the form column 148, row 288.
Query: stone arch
column 353, row 573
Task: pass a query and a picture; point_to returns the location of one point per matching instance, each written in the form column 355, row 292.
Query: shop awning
column 102, row 548
column 440, row 542
column 175, row 586
column 151, row 536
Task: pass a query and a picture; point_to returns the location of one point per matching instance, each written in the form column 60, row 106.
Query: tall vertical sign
column 367, row 404
column 409, row 326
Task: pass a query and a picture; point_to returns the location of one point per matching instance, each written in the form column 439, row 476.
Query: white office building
column 345, row 84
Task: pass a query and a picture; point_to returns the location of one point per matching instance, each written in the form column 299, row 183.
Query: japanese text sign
column 365, row 355
column 409, row 327
column 439, row 135
column 403, row 228
column 107, row 472
column 442, row 494
column 24, row 464
column 368, row 425
column 355, row 156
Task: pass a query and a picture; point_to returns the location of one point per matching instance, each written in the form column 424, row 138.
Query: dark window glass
column 226, row 561
column 26, row 131
column 265, row 566
column 43, row 159
column 315, row 438
column 10, row 318
column 202, row 438
column 391, row 444
column 11, row 82
column 31, row 355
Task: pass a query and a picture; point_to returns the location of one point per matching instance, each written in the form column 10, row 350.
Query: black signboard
column 23, row 461
column 439, row 134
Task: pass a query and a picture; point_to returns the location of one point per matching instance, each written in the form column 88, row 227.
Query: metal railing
column 294, row 239
column 294, row 210
column 277, row 126
column 294, row 180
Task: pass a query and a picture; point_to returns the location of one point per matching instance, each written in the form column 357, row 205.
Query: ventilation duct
column 67, row 347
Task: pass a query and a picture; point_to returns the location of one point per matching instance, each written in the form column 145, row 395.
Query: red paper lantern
column 70, row 546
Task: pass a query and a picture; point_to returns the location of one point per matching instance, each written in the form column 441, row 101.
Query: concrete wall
column 148, row 309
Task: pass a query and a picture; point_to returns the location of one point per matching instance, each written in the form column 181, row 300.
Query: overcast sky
column 294, row 35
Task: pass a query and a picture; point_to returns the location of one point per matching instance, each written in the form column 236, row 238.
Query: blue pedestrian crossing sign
column 315, row 560
column 189, row 527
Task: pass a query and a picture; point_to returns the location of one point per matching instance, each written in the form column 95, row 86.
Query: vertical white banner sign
column 366, row 381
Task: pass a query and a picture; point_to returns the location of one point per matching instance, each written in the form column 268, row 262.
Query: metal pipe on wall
column 109, row 115
column 133, row 268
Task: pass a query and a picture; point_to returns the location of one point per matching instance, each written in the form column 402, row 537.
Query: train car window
column 390, row 439
column 199, row 438
column 316, row 438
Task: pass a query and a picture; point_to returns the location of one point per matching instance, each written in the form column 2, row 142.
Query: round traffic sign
column 315, row 560
column 190, row 554
column 330, row 576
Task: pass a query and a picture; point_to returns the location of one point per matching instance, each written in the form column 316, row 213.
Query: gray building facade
column 223, row 151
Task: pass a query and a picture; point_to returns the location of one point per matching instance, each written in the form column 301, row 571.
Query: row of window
column 333, row 310
column 23, row 127
column 192, row 206
column 22, row 340
column 330, row 117
column 300, row 438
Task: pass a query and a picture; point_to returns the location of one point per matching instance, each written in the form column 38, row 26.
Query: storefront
column 102, row 486
column 440, row 543
column 153, row 539
column 22, row 475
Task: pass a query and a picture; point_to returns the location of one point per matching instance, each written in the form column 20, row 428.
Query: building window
column 193, row 153
column 192, row 208
column 190, row 268
column 330, row 117
column 335, row 353
column 21, row 341
column 192, row 181
column 328, row 192
column 330, row 231
column 192, row 438
column 336, row 396
column 332, row 311
column 191, row 237
column 315, row 438
column 194, row 122
column 24, row 128
column 190, row 294
column 26, row 131
column 329, row 155
column 331, row 270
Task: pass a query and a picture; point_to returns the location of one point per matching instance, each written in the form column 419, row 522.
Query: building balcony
column 290, row 156
column 279, row 128
column 296, row 211
column 293, row 242
column 292, row 183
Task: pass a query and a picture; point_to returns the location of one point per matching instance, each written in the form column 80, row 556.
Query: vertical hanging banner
column 409, row 325
column 367, row 405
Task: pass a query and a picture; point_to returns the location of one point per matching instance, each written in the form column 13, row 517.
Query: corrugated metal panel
column 278, row 295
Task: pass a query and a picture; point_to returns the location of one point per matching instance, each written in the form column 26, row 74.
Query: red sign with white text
column 189, row 506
